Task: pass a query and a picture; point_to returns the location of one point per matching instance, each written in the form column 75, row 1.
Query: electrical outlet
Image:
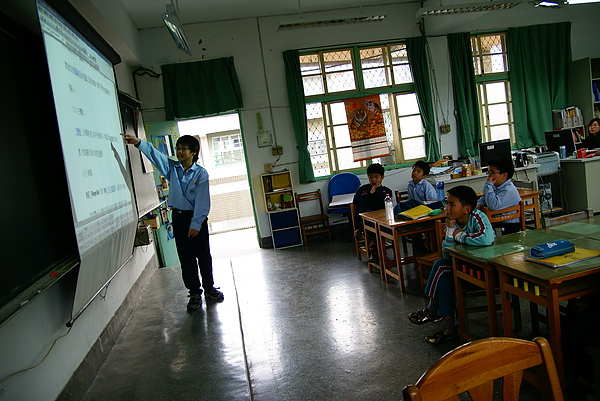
column 268, row 167
column 445, row 128
column 277, row 150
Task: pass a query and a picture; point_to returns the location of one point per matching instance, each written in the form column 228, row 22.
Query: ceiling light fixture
column 467, row 8
column 175, row 28
column 304, row 23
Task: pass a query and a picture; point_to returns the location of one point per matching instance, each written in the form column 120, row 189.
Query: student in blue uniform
column 499, row 192
column 190, row 200
column 464, row 224
column 370, row 197
column 420, row 191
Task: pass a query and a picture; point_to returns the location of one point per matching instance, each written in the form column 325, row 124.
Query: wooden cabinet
column 585, row 86
column 278, row 197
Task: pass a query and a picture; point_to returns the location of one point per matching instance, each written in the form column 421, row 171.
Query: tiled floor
column 304, row 323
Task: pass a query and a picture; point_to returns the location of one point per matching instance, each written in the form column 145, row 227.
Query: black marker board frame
column 38, row 241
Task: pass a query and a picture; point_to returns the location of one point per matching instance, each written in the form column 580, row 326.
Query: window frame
column 326, row 99
column 482, row 78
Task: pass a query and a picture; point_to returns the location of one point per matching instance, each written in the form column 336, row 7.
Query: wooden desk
column 375, row 223
column 481, row 273
column 546, row 287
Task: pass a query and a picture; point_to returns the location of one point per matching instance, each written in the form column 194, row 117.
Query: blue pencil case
column 552, row 248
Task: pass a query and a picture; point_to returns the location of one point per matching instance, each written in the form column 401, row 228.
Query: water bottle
column 389, row 208
column 440, row 191
column 563, row 151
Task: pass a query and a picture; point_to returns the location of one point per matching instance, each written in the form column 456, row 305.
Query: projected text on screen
column 87, row 108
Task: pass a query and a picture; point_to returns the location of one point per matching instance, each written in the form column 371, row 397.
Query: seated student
column 464, row 224
column 499, row 192
column 371, row 197
column 420, row 191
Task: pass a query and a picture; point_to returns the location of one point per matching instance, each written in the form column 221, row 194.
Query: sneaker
column 442, row 335
column 214, row 294
column 195, row 302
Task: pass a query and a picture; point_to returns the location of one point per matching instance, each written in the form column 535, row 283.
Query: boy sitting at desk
column 370, row 197
column 420, row 191
column 464, row 224
column 499, row 192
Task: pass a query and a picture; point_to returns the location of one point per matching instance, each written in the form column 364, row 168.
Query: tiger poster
column 367, row 130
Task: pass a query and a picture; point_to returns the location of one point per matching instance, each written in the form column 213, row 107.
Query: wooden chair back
column 401, row 196
column 507, row 213
column 554, row 221
column 425, row 262
column 359, row 238
column 314, row 223
column 472, row 368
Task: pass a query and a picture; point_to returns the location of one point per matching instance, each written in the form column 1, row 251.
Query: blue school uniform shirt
column 478, row 231
column 188, row 190
column 422, row 191
column 496, row 198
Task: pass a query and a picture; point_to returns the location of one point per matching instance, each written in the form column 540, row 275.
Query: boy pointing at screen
column 190, row 200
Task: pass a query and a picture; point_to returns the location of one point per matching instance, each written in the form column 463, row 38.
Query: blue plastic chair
column 342, row 183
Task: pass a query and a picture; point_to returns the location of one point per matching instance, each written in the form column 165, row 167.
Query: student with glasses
column 190, row 200
column 499, row 192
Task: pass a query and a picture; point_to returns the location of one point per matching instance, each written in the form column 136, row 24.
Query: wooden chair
column 472, row 368
column 529, row 214
column 554, row 221
column 425, row 263
column 359, row 239
column 507, row 213
column 314, row 223
column 401, row 196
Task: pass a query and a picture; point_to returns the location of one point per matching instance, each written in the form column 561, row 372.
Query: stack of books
column 567, row 118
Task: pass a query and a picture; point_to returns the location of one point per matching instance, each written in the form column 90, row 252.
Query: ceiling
column 147, row 13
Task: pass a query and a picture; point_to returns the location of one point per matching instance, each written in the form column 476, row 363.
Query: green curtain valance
column 201, row 88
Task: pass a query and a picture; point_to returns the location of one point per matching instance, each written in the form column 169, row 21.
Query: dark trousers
column 193, row 253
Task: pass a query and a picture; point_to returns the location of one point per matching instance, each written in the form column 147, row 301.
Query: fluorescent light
column 467, row 8
column 581, row 1
column 335, row 19
column 176, row 29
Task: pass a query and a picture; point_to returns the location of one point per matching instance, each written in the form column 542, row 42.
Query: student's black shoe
column 214, row 295
column 373, row 257
column 195, row 302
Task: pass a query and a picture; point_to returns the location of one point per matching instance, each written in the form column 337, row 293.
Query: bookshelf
column 585, row 86
column 278, row 197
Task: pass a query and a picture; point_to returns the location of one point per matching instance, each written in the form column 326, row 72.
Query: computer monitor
column 494, row 150
column 557, row 138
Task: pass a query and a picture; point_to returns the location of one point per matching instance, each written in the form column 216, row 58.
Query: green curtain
column 466, row 106
column 538, row 59
column 293, row 77
column 201, row 88
column 417, row 57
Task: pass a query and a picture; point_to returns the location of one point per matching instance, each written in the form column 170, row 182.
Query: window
column 228, row 149
column 493, row 86
column 331, row 76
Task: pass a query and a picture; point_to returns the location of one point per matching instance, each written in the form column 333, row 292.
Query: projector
column 547, row 161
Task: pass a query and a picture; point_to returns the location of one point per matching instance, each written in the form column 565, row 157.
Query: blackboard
column 38, row 234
